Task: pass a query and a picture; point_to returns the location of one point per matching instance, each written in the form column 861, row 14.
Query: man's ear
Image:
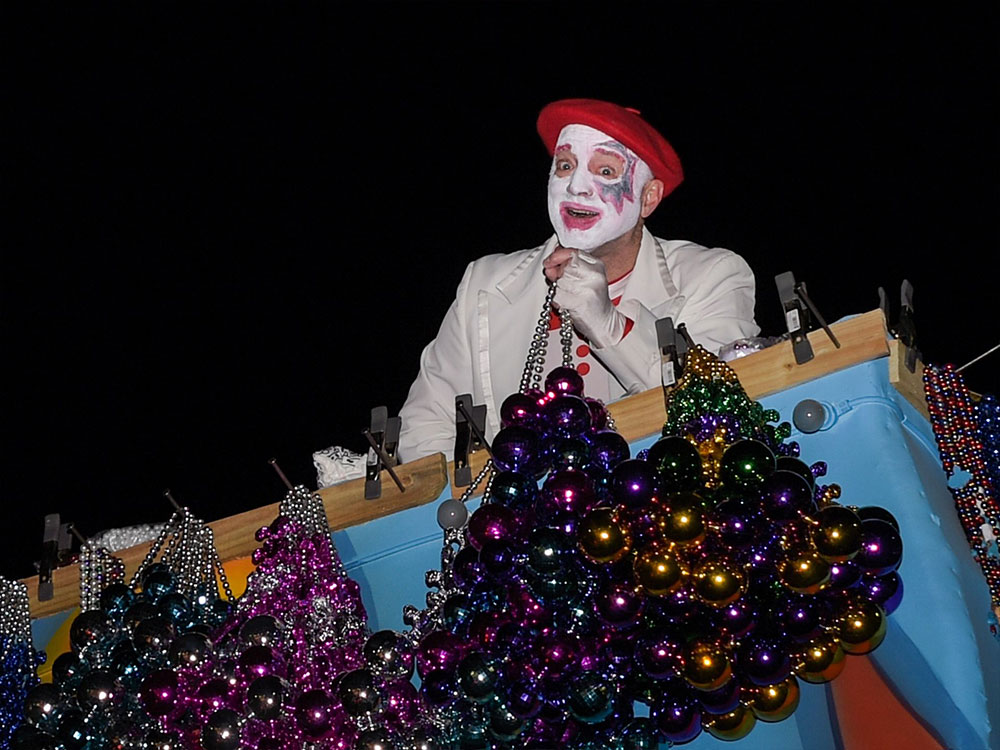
column 652, row 194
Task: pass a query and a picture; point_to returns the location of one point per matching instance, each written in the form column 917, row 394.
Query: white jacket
column 483, row 341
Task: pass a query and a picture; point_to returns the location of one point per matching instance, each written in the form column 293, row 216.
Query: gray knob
column 809, row 415
column 452, row 514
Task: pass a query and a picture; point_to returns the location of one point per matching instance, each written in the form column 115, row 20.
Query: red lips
column 577, row 216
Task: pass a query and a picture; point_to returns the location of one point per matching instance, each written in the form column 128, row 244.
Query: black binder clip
column 904, row 329
column 799, row 312
column 56, row 546
column 383, row 439
column 674, row 344
column 470, row 436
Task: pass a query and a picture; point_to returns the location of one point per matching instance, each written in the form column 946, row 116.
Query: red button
column 583, row 368
column 583, row 350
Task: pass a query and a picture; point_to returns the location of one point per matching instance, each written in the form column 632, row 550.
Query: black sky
column 231, row 230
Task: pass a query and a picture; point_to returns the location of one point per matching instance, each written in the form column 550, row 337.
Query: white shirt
column 484, row 338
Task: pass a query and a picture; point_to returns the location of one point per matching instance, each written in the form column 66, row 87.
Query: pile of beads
column 589, row 581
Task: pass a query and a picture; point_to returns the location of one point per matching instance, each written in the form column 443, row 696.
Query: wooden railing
column 762, row 373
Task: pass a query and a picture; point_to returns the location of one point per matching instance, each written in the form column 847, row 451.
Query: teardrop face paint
column 594, row 188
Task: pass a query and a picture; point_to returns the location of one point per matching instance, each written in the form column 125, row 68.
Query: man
column 610, row 170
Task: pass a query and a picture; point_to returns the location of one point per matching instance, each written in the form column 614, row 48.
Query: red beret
column 621, row 123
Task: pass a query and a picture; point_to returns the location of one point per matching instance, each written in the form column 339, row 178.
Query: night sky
column 230, row 231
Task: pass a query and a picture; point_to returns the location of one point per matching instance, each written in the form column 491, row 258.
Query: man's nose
column 580, row 183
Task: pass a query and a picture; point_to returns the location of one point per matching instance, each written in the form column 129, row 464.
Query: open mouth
column 575, row 216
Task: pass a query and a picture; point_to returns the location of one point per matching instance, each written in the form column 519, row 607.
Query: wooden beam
column 424, row 479
column 910, row 384
column 862, row 338
column 345, row 505
column 774, row 369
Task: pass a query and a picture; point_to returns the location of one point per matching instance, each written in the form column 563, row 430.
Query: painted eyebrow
column 611, row 152
column 613, row 145
column 563, row 147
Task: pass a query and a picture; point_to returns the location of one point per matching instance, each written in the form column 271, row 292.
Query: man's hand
column 555, row 264
column 583, row 293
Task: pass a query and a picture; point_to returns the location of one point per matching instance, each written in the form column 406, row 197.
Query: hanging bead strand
column 960, row 429
column 19, row 659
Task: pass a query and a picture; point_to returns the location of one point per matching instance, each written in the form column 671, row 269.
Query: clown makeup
column 594, row 188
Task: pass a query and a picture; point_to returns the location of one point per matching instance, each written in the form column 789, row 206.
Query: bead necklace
column 186, row 545
column 98, row 570
column 18, row 657
column 967, row 437
column 534, row 366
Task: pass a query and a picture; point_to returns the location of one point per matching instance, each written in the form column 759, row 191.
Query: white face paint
column 594, row 188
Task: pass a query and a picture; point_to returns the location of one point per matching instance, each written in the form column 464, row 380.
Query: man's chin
column 582, row 247
column 574, row 241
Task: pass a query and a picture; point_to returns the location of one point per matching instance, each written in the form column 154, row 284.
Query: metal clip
column 904, row 328
column 682, row 330
column 390, row 444
column 56, row 545
column 673, row 344
column 799, row 312
column 906, row 331
column 470, row 436
column 383, row 438
column 796, row 316
column 883, row 304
